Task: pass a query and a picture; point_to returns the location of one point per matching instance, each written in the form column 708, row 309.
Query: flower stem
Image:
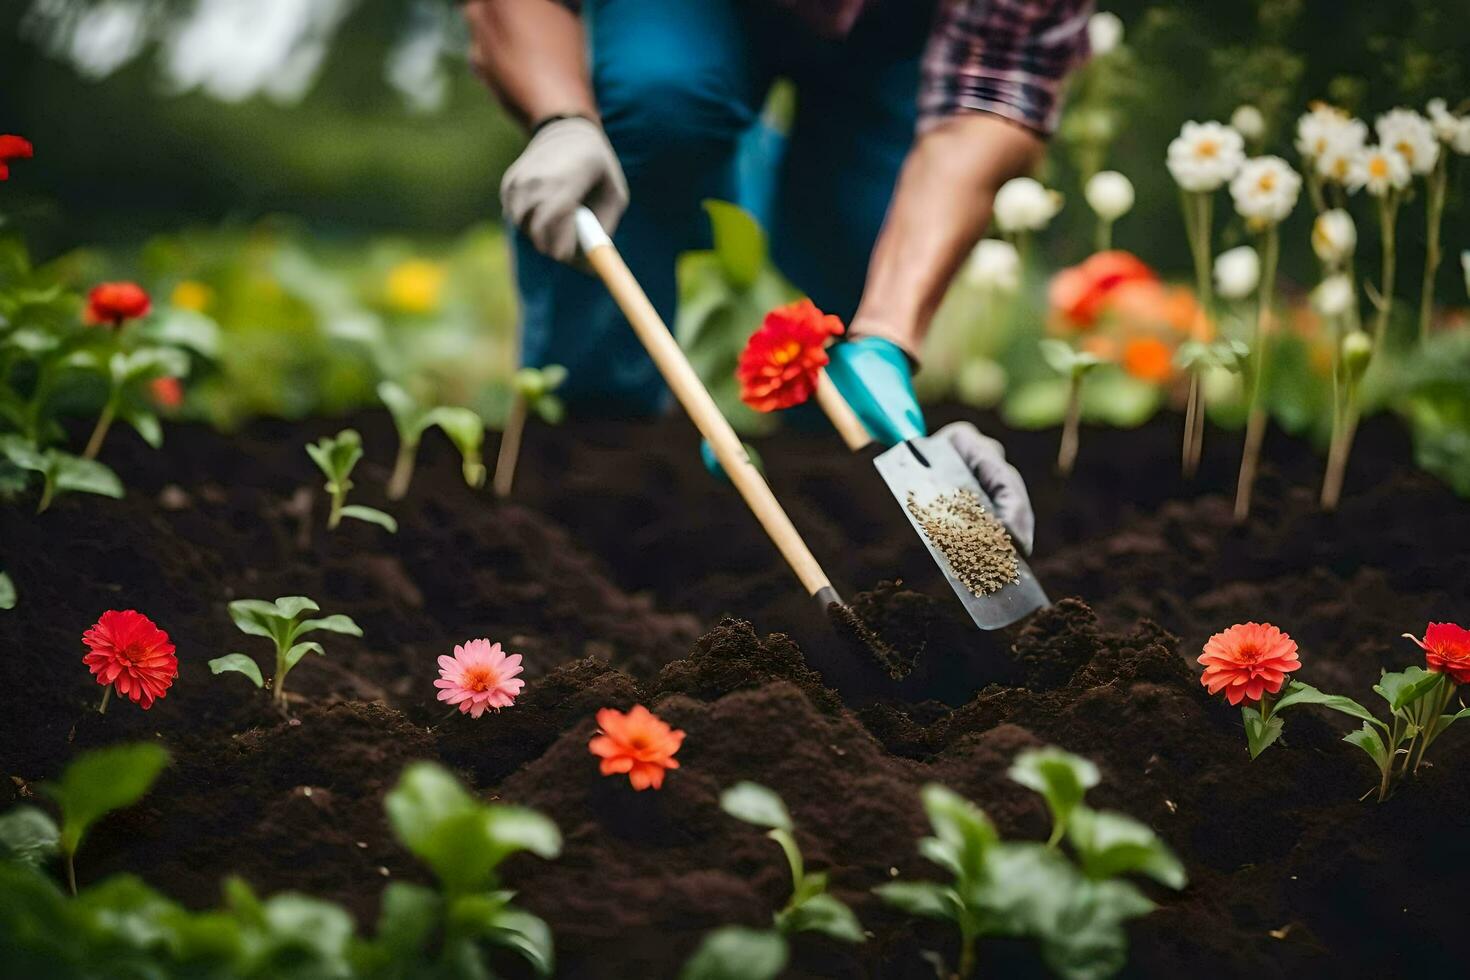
column 102, row 708
column 335, row 516
column 1198, row 219
column 71, row 873
column 403, row 469
column 1255, row 427
column 1067, row 451
column 48, row 491
column 278, row 682
column 1434, row 206
column 1341, row 449
column 104, row 422
column 1104, row 234
column 510, row 447
column 1388, row 209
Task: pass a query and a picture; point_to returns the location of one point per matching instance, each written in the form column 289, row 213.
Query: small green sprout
column 7, row 591
column 60, row 472
column 532, row 390
column 463, row 842
column 412, row 419
column 336, row 458
column 281, row 623
column 125, row 371
column 1074, row 907
column 92, row 786
column 748, row 954
column 1074, row 365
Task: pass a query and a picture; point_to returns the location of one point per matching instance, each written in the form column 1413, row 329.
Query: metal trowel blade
column 928, row 468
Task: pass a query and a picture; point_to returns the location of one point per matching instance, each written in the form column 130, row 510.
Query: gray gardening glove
column 568, row 162
column 987, row 460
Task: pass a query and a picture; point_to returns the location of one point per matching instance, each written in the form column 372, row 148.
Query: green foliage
column 413, row 418
column 97, row 783
column 748, row 954
column 7, row 592
column 60, row 472
column 1074, row 910
column 537, row 387
column 28, row 836
column 336, row 458
column 1434, row 396
column 281, row 623
column 724, row 294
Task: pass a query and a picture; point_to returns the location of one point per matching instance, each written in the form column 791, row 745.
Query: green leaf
column 1405, row 687
column 523, row 932
column 515, row 828
column 1062, row 779
column 254, row 616
column 551, row 409
column 7, row 591
column 739, row 242
column 1066, row 360
column 1087, row 941
column 1299, row 693
column 27, row 836
column 1111, row 844
column 372, row 515
column 299, row 650
column 148, row 362
column 300, row 927
column 467, row 431
column 409, row 416
column 756, row 804
column 407, row 920
column 184, row 328
column 101, row 781
column 1445, row 721
column 825, row 914
column 963, row 833
column 336, row 623
column 291, row 606
column 1367, row 739
column 737, row 953
column 80, row 475
column 1260, row 735
column 146, row 424
column 240, row 664
column 554, row 376
column 337, row 456
column 925, row 898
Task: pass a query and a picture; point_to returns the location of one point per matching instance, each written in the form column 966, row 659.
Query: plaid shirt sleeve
column 1007, row 57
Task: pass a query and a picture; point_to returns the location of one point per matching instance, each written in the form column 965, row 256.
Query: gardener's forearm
column 533, row 54
column 940, row 209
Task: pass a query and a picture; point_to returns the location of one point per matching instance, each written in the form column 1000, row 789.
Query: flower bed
column 609, row 572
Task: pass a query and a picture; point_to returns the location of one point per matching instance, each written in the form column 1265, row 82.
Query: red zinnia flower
column 1247, row 661
column 132, row 654
column 113, row 302
column 1079, row 294
column 166, row 392
column 12, row 148
column 1446, row 650
column 637, row 743
column 779, row 365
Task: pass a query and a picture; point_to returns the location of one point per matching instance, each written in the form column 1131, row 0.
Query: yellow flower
column 414, row 286
column 191, row 294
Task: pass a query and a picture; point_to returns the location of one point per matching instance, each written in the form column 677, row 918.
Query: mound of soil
column 624, row 576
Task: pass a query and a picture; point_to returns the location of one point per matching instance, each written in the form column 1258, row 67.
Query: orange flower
column 1247, row 661
column 1446, row 650
column 636, row 743
column 113, row 302
column 1148, row 359
column 166, row 392
column 779, row 365
column 1079, row 294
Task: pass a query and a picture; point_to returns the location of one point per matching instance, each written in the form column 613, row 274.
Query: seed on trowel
column 976, row 544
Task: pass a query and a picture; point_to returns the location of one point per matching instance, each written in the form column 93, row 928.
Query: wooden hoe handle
column 695, row 398
column 840, row 414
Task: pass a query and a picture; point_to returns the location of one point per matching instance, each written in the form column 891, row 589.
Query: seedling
column 1074, row 365
column 97, row 783
column 1075, row 910
column 749, row 954
column 60, row 472
column 1353, row 355
column 532, row 390
column 412, row 419
column 125, row 371
column 336, row 458
column 463, row 842
column 281, row 623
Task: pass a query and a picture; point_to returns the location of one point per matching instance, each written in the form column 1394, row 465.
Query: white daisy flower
column 1022, row 204
column 1380, row 170
column 1325, row 126
column 1109, row 194
column 1412, row 136
column 1237, row 272
column 1334, row 236
column 1204, row 156
column 1266, row 189
column 1452, row 130
column 994, row 265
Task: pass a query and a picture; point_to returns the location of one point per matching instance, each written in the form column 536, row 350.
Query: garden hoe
column 941, row 498
column 706, row 415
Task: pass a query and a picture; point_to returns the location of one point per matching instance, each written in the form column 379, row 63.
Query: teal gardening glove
column 874, row 376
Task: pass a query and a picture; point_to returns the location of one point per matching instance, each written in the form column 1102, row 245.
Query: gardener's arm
column 940, row 209
column 533, row 54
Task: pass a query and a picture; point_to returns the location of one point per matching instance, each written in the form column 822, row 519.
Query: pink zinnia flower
column 479, row 676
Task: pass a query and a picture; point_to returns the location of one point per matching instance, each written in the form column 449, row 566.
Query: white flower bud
column 1022, row 204
column 1110, row 194
column 1237, row 272
column 1334, row 296
column 1357, row 351
column 1248, row 121
column 1104, row 32
column 1334, row 236
column 994, row 265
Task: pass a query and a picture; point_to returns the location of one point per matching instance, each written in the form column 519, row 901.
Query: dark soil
column 624, row 575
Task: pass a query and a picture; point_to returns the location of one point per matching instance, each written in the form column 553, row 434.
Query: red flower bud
column 113, row 302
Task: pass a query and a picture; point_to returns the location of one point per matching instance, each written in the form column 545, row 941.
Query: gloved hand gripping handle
column 706, row 415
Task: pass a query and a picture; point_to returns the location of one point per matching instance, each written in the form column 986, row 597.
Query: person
column 910, row 114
